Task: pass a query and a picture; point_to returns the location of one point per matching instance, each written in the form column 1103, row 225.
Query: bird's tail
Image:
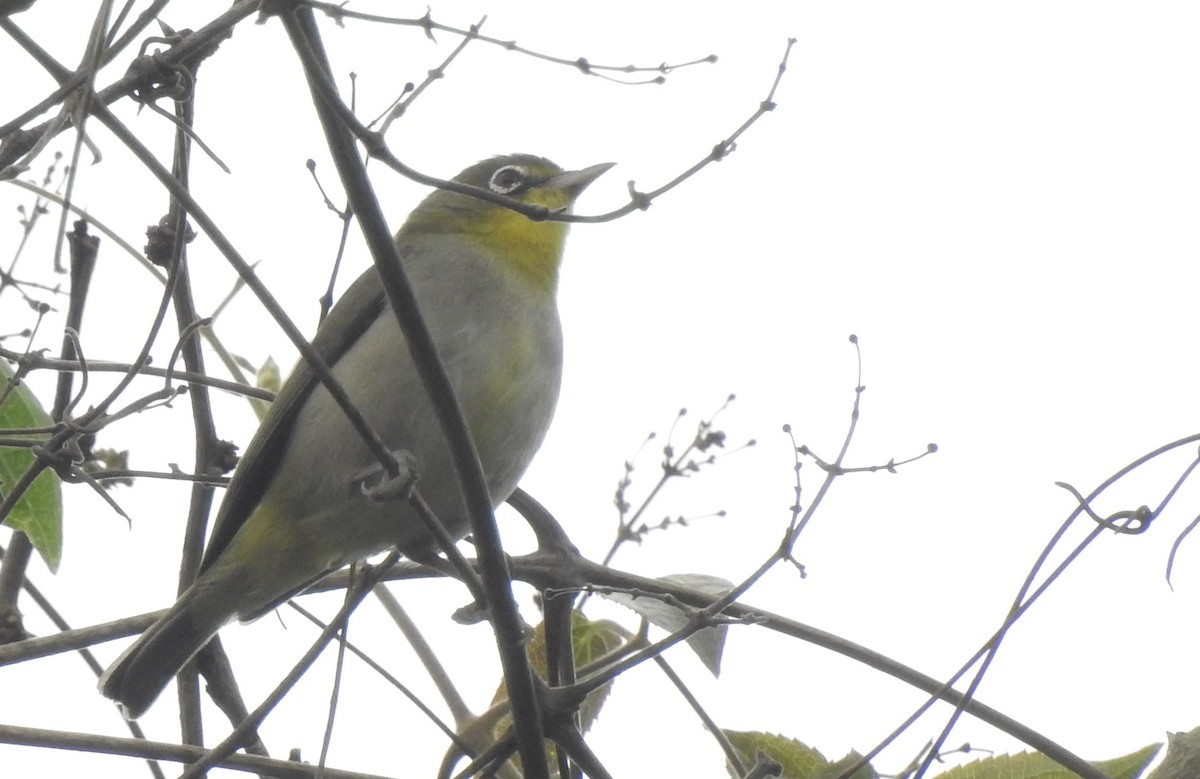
column 139, row 675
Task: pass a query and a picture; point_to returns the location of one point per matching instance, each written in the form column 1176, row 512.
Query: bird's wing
column 355, row 311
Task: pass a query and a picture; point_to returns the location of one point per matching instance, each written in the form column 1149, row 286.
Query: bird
column 485, row 279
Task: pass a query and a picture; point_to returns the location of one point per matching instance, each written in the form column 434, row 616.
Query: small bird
column 485, row 279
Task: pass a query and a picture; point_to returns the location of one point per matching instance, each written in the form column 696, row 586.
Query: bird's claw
column 380, row 487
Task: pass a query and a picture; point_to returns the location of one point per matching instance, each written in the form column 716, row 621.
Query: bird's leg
column 380, row 487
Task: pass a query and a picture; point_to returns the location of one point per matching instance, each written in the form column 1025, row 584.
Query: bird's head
column 534, row 247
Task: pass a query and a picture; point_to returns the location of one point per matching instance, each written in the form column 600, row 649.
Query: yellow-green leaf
column 1183, row 756
column 591, row 640
column 1034, row 765
column 38, row 513
column 268, row 377
column 796, row 760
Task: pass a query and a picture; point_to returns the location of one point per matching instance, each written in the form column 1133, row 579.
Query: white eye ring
column 508, row 179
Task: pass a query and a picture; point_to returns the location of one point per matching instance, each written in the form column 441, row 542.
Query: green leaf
column 38, row 513
column 1034, row 765
column 796, row 760
column 268, row 377
column 591, row 640
column 108, row 460
column 835, row 769
column 708, row 643
column 1183, row 757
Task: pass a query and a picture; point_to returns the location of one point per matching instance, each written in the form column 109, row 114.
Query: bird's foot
column 380, row 487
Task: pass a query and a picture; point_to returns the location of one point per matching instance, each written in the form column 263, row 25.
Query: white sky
column 999, row 199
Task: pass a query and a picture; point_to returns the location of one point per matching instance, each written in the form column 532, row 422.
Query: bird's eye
column 508, row 179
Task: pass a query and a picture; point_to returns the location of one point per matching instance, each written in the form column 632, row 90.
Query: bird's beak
column 573, row 182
